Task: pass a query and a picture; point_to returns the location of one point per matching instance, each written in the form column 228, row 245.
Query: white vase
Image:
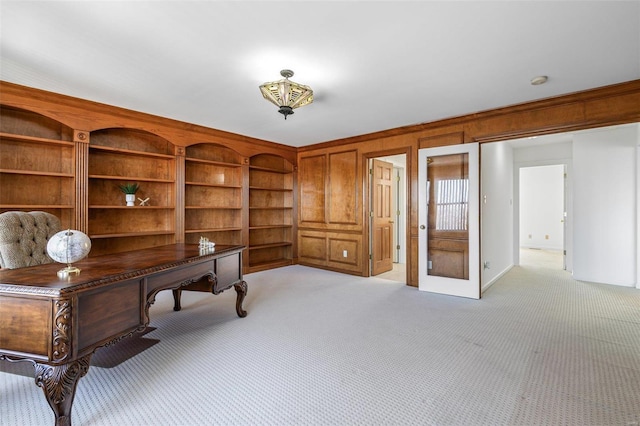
column 131, row 198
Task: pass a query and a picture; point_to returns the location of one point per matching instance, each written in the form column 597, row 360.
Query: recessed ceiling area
column 372, row 66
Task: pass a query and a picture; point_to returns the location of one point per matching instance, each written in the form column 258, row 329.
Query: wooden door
column 449, row 239
column 382, row 220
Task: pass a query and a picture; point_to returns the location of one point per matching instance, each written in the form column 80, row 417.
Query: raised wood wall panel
column 326, row 250
column 312, row 248
column 343, row 188
column 312, row 179
column 338, row 243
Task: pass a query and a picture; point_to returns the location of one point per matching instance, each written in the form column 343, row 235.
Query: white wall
column 605, row 202
column 496, row 211
column 542, row 207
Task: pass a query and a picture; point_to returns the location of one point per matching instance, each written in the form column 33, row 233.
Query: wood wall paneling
column 343, row 188
column 39, row 119
column 338, row 245
column 312, row 179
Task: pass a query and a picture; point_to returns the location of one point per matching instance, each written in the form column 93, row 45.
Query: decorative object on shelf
column 206, row 246
column 129, row 190
column 68, row 247
column 287, row 94
column 143, row 202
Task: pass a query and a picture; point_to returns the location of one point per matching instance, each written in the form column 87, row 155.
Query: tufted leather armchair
column 24, row 237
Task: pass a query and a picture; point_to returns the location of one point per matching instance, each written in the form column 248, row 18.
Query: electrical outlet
column 344, row 253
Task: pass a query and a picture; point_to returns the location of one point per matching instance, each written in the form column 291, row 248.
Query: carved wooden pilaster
column 59, row 382
column 180, row 194
column 81, row 139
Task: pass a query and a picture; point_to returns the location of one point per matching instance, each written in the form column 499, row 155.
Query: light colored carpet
column 322, row 348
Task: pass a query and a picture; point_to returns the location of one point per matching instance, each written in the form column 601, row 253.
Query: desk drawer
column 174, row 277
column 228, row 271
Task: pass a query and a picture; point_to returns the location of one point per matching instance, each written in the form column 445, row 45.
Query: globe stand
column 67, row 247
column 68, row 271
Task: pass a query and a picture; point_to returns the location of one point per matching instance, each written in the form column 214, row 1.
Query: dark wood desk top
column 42, row 279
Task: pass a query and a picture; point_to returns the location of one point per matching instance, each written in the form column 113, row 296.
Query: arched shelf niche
column 271, row 212
column 38, row 153
column 119, row 156
column 214, row 195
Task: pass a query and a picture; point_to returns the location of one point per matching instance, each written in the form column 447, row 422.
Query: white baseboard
column 485, row 286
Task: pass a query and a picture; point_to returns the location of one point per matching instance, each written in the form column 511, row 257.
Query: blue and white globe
column 69, row 246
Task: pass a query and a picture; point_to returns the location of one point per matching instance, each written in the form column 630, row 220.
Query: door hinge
column 398, row 213
column 371, row 213
column 370, row 171
column 370, row 257
column 398, row 247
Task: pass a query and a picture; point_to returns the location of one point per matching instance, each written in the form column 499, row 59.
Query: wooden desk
column 58, row 324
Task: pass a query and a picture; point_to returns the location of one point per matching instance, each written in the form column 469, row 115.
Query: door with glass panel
column 449, row 222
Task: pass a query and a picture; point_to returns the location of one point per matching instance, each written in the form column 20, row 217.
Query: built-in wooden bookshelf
column 213, row 194
column 270, row 212
column 119, row 156
column 37, row 165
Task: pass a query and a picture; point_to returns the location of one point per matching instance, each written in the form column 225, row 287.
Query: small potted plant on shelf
column 129, row 190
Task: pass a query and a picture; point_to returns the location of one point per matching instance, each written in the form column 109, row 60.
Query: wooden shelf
column 270, row 170
column 130, row 234
column 131, row 178
column 36, row 140
column 270, row 245
column 136, row 207
column 36, row 173
column 270, row 208
column 262, row 266
column 270, row 226
column 213, row 185
column 211, row 208
column 35, row 206
column 212, row 162
column 263, row 188
column 129, row 152
column 197, row 231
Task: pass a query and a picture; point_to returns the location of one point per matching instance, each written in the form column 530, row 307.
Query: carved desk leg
column 176, row 299
column 241, row 289
column 59, row 382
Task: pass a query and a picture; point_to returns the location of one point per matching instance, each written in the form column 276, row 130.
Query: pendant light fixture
column 286, row 94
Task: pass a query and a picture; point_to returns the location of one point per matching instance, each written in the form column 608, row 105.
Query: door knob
column 422, row 227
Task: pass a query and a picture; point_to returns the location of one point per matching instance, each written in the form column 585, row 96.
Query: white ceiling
column 372, row 65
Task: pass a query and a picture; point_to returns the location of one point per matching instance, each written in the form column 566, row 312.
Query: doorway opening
column 542, row 216
column 387, row 213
